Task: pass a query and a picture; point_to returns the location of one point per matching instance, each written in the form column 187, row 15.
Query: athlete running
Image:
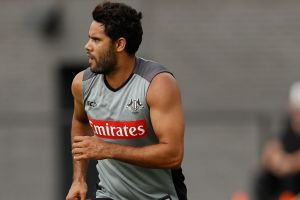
column 127, row 115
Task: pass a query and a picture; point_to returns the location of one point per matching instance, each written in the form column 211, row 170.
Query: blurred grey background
column 234, row 61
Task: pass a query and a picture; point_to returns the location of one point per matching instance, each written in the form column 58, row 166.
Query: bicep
column 166, row 110
column 80, row 122
column 79, row 112
column 79, row 115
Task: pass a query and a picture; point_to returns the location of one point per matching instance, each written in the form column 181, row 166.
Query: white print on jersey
column 119, row 129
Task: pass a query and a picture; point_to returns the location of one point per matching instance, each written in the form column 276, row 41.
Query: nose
column 87, row 46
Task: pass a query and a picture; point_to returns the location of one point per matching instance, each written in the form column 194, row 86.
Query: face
column 100, row 50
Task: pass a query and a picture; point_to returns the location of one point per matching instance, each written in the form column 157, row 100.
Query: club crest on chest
column 134, row 105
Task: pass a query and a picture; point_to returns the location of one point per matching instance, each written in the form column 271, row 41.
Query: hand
column 286, row 167
column 272, row 154
column 89, row 148
column 77, row 191
column 277, row 161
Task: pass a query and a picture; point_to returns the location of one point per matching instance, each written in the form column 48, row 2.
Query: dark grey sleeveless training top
column 121, row 116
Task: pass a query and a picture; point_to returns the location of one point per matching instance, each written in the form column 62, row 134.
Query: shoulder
column 163, row 89
column 164, row 80
column 148, row 69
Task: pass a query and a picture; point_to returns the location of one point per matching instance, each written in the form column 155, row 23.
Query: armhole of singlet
column 148, row 70
column 87, row 74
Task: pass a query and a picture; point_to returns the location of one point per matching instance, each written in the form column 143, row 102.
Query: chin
column 93, row 67
column 96, row 70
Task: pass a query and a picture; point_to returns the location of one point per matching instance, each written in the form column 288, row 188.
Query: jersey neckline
column 128, row 79
column 118, row 88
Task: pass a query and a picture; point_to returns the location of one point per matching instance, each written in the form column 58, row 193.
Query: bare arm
column 271, row 154
column 293, row 161
column 167, row 120
column 80, row 127
column 275, row 159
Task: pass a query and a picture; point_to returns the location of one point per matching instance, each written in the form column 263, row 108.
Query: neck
column 125, row 67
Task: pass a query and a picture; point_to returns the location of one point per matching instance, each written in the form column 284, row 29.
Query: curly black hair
column 121, row 20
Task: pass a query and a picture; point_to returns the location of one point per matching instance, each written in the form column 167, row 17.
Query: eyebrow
column 94, row 37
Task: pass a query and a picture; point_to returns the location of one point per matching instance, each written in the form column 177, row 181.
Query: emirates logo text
column 119, row 129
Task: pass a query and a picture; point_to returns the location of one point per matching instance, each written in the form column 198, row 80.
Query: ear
column 120, row 44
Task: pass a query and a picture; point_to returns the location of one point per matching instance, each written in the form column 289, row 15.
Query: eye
column 96, row 40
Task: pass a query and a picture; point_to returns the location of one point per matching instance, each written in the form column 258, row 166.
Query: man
column 127, row 115
column 280, row 172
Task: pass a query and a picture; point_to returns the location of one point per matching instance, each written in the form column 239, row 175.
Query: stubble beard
column 107, row 62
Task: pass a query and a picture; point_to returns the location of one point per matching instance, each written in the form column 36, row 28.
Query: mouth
column 91, row 57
